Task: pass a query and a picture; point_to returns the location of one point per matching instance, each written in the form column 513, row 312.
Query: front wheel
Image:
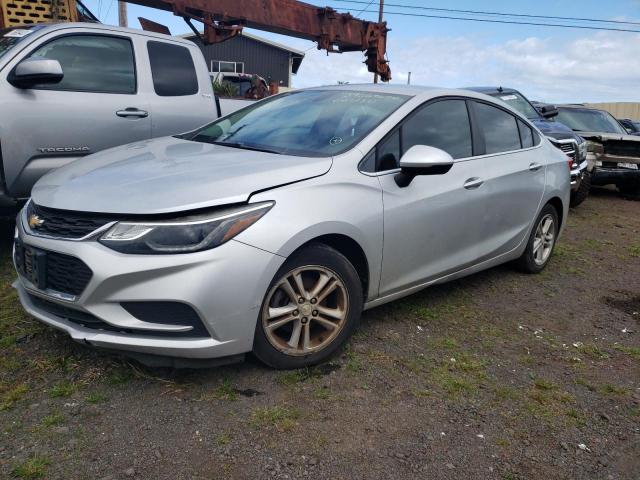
column 541, row 242
column 312, row 306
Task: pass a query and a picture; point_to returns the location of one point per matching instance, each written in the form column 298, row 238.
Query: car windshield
column 583, row 120
column 519, row 103
column 317, row 123
column 10, row 36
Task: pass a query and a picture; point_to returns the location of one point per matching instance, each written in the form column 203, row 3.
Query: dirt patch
column 499, row 375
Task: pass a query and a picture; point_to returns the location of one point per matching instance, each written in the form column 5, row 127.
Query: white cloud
column 600, row 67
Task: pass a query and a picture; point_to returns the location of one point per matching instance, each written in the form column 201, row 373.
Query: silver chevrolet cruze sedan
column 271, row 229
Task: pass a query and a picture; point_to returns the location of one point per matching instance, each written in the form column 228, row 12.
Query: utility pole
column 409, row 79
column 380, row 15
column 122, row 14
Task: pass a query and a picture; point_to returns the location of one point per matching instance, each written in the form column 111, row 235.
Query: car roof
column 425, row 92
column 50, row 27
column 581, row 107
column 493, row 90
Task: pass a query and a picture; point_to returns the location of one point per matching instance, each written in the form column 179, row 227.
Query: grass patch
column 322, row 393
column 53, row 420
column 35, row 467
column 354, row 362
column 299, row 376
column 280, row 416
column 631, row 351
column 120, row 376
column 546, row 385
column 592, row 350
column 634, row 251
column 11, row 395
column 62, row 389
column 223, row 439
column 95, row 398
column 609, row 389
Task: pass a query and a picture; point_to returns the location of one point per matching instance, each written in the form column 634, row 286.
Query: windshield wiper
column 245, row 146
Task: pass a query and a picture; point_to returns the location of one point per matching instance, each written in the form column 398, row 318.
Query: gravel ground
column 499, row 375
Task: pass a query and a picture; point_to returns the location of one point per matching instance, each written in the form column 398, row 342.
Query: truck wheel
column 541, row 242
column 312, row 307
column 630, row 191
column 581, row 194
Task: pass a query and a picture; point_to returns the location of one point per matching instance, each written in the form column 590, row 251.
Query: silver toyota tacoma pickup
column 69, row 90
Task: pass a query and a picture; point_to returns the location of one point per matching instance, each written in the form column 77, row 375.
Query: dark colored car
column 615, row 153
column 560, row 135
column 631, row 126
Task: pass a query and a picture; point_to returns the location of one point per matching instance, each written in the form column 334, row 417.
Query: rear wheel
column 311, row 308
column 581, row 194
column 541, row 242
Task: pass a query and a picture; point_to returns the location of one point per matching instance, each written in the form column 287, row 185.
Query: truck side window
column 172, row 68
column 92, row 63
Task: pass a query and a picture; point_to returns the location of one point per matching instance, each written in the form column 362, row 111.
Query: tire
column 581, row 194
column 287, row 345
column 630, row 191
column 533, row 260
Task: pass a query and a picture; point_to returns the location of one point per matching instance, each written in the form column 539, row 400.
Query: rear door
column 434, row 225
column 96, row 106
column 514, row 177
column 182, row 96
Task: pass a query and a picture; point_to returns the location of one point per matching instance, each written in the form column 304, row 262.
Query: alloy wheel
column 305, row 311
column 544, row 239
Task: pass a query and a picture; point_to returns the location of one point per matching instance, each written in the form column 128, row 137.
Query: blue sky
column 551, row 64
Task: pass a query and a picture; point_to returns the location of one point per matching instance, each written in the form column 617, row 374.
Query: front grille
column 87, row 320
column 63, row 223
column 568, row 147
column 51, row 270
column 66, row 274
column 622, row 148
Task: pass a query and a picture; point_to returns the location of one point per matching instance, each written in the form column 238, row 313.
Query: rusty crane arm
column 333, row 31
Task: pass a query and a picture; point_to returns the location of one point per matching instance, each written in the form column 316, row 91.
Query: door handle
column 473, row 183
column 534, row 167
column 132, row 113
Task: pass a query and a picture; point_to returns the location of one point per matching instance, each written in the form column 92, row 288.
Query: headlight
column 582, row 150
column 186, row 235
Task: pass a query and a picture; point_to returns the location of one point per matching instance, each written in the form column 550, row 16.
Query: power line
column 510, row 22
column 364, row 9
column 503, row 14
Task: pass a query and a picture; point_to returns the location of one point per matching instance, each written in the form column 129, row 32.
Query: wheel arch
column 351, row 249
column 556, row 202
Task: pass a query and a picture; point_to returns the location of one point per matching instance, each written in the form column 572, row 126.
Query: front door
column 95, row 106
column 432, row 226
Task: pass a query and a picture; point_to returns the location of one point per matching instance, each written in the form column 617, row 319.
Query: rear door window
column 91, row 63
column 172, row 69
column 500, row 128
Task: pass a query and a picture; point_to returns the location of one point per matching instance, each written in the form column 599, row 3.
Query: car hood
column 169, row 175
column 554, row 129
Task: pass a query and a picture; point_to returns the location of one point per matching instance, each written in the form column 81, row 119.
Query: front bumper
column 225, row 286
column 607, row 176
column 577, row 173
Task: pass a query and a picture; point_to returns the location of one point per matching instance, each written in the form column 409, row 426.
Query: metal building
column 248, row 53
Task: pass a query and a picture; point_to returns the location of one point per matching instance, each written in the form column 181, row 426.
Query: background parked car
column 616, row 154
column 71, row 89
column 631, row 126
column 560, row 135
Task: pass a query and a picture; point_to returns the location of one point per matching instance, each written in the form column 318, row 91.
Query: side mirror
column 549, row 111
column 422, row 160
column 36, row 70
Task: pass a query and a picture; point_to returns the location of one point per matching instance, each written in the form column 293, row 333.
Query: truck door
column 181, row 91
column 97, row 105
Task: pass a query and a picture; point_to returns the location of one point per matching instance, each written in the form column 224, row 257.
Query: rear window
column 172, row 69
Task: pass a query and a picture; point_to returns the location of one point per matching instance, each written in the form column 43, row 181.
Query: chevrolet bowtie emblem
column 35, row 221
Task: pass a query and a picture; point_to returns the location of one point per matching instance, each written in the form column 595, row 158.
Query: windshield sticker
column 506, row 98
column 19, row 33
column 335, row 141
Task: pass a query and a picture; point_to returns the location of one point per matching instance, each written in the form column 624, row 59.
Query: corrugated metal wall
column 267, row 61
column 619, row 109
